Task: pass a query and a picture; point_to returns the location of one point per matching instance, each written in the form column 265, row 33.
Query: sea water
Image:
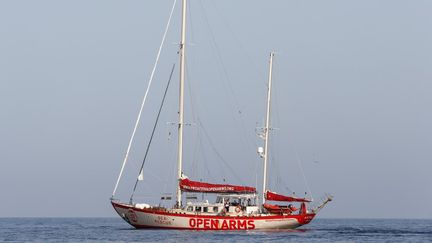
column 116, row 230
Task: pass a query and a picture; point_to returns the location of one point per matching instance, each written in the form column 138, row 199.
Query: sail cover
column 196, row 186
column 272, row 196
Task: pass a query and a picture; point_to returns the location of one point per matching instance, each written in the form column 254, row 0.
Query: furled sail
column 272, row 196
column 187, row 185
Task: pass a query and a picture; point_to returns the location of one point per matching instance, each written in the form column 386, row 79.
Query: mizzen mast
column 181, row 103
column 267, row 128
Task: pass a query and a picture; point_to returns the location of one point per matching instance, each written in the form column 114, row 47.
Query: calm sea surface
column 115, row 230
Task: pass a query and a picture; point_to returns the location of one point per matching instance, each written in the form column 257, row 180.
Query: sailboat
column 237, row 207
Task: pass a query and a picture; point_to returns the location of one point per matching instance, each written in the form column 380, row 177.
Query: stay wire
column 227, row 83
column 213, row 147
column 153, row 131
column 228, row 27
column 144, row 100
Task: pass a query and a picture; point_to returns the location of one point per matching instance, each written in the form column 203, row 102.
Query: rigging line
column 277, row 138
column 204, row 157
column 282, row 183
column 194, row 111
column 299, row 161
column 250, row 142
column 153, row 131
column 213, row 148
column 218, row 154
column 191, row 23
column 275, row 159
column 276, row 121
column 172, row 171
column 173, row 179
column 198, row 140
column 255, row 68
column 144, row 99
column 276, row 95
column 199, row 145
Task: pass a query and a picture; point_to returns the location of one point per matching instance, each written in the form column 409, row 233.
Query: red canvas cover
column 279, row 208
column 196, row 186
column 272, row 196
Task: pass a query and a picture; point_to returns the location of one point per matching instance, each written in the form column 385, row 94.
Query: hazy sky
column 352, row 101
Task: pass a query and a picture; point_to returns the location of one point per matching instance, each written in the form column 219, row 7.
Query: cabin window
column 205, row 209
column 190, row 209
column 215, row 209
column 197, row 209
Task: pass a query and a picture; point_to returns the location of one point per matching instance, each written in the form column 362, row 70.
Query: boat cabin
column 203, row 207
column 231, row 204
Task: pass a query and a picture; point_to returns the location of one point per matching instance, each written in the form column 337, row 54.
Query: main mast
column 181, row 102
column 267, row 128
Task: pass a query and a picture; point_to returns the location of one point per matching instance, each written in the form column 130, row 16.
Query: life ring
column 237, row 209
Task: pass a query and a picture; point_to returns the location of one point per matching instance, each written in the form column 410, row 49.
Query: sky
column 351, row 104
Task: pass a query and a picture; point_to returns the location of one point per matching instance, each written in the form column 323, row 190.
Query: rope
column 213, row 147
column 225, row 77
column 153, row 131
column 299, row 161
column 303, row 174
column 143, row 101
